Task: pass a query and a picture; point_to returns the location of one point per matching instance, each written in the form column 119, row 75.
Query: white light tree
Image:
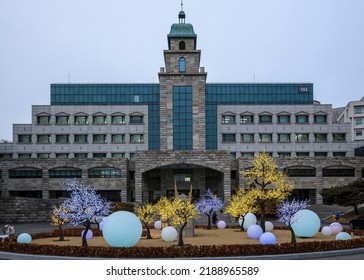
column 286, row 211
column 84, row 206
column 209, row 204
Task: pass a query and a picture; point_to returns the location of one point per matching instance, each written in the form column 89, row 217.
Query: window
column 182, row 45
column 80, row 155
column 43, row 139
column 233, row 155
column 341, row 171
column 320, row 118
column 118, row 119
column 320, row 154
column 182, row 177
column 284, row 154
column 228, row 138
column 99, row 138
column 118, row 138
column 302, row 154
column 43, row 120
column 247, row 155
column 358, row 121
column 132, row 156
column 301, row 119
column 62, row 120
column 182, row 65
column 283, row 119
column 136, row 99
column 228, row 119
column 104, row 173
column 25, row 174
column 65, row 173
column 99, row 155
column 27, row 155
column 246, row 119
column 43, row 155
column 320, row 137
column 284, row 137
column 265, row 119
column 6, row 155
column 136, row 138
column 81, row 120
column 339, row 154
column 358, row 109
column 247, row 137
column 99, row 119
column 358, row 132
column 25, row 138
column 80, row 138
column 62, row 155
column 265, row 137
column 62, row 138
column 137, row 119
column 339, row 137
column 301, row 172
column 302, row 137
column 118, row 155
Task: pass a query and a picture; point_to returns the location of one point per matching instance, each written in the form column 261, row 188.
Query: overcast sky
column 115, row 41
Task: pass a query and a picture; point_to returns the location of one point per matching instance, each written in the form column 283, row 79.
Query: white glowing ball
column 89, row 234
column 343, row 236
column 221, row 225
column 254, row 231
column 268, row 226
column 122, row 229
column 158, row 225
column 326, row 230
column 336, row 228
column 249, row 220
column 307, row 223
column 268, row 238
column 24, row 238
column 169, row 234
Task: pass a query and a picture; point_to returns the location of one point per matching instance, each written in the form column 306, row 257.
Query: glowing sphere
column 157, row 224
column 306, row 224
column 101, row 224
column 249, row 220
column 326, row 230
column 24, row 238
column 269, row 226
column 254, row 232
column 122, row 229
column 268, row 238
column 336, row 227
column 89, row 234
column 221, row 225
column 343, row 236
column 169, row 234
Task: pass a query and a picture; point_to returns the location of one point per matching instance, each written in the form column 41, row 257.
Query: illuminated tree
column 59, row 217
column 164, row 210
column 84, row 206
column 208, row 205
column 267, row 184
column 241, row 204
column 286, row 211
column 147, row 214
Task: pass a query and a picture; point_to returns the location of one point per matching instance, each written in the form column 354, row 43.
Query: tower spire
column 182, row 5
column 182, row 15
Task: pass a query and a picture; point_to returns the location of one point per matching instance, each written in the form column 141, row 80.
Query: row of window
column 268, row 118
column 326, row 172
column 81, row 138
column 289, row 154
column 283, row 137
column 46, row 155
column 97, row 120
column 65, row 173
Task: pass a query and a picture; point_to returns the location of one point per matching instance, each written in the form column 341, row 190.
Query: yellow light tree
column 147, row 214
column 164, row 210
column 59, row 217
column 268, row 185
column 240, row 205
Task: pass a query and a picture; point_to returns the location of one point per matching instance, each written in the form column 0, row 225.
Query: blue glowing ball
column 158, row 225
column 24, row 238
column 268, row 238
column 122, row 229
column 254, row 231
column 249, row 220
column 169, row 234
column 89, row 234
column 306, row 223
column 343, row 236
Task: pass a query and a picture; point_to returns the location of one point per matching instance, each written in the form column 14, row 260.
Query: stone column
column 319, row 185
column 45, row 186
column 358, row 174
column 138, row 185
column 4, row 183
column 227, row 184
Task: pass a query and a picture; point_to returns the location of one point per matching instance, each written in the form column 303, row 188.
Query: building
column 134, row 141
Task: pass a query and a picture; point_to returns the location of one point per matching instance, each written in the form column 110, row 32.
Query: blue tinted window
column 182, row 65
column 182, row 118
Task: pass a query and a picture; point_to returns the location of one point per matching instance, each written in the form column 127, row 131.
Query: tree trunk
column 356, row 209
column 180, row 235
column 242, row 222
column 293, row 235
column 61, row 235
column 208, row 221
column 148, row 231
column 262, row 216
column 84, row 240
